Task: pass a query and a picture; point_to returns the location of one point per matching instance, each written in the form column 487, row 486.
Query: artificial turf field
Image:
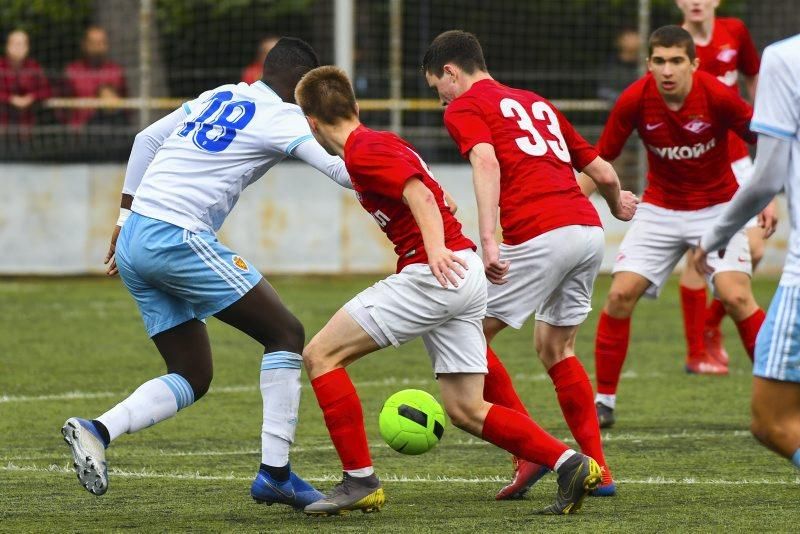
column 681, row 451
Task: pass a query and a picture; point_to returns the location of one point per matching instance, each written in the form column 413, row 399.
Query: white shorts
column 412, row 303
column 743, row 171
column 659, row 237
column 551, row 275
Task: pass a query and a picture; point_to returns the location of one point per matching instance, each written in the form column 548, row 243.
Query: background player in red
column 522, row 151
column 438, row 293
column 683, row 117
column 725, row 50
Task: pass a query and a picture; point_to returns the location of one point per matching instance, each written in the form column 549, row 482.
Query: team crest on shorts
column 240, row 264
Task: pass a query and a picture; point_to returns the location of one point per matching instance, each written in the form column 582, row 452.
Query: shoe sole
column 90, row 475
column 370, row 504
column 692, row 372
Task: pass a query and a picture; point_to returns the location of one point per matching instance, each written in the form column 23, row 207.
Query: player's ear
column 695, row 64
column 312, row 123
column 358, row 110
column 450, row 72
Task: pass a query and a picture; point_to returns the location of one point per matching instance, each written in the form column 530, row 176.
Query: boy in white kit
column 184, row 176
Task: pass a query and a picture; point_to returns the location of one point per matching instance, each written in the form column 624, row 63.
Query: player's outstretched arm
column 145, row 145
column 486, row 180
column 445, row 265
column 770, row 172
column 332, row 166
column 621, row 203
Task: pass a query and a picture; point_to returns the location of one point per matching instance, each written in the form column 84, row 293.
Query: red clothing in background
column 28, row 79
column 253, row 72
column 85, row 80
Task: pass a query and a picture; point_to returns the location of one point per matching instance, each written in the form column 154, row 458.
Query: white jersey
column 777, row 114
column 219, row 144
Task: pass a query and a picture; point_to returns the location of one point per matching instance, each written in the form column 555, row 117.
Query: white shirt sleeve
column 777, row 105
column 312, row 153
column 288, row 131
column 145, row 146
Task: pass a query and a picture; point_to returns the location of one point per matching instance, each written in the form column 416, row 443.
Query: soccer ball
column 411, row 421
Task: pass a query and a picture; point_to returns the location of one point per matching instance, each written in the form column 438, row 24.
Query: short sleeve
column 749, row 61
column 777, row 100
column 466, row 125
column 581, row 151
column 621, row 122
column 382, row 169
column 288, row 130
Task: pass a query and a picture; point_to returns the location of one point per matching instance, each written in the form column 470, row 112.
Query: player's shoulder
column 732, row 25
column 786, row 51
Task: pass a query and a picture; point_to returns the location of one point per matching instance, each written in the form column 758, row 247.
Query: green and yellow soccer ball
column 411, row 421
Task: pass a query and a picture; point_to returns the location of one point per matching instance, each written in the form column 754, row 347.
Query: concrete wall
column 57, row 219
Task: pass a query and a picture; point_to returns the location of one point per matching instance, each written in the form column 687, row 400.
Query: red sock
column 715, row 313
column 693, row 303
column 610, row 348
column 497, row 386
column 343, row 416
column 574, row 391
column 521, row 436
column 748, row 330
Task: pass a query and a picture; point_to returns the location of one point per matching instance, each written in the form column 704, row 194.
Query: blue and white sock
column 152, row 402
column 280, row 392
column 796, row 458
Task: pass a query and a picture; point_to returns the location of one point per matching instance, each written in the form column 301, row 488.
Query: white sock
column 280, row 392
column 608, row 400
column 153, row 401
column 361, row 473
column 563, row 458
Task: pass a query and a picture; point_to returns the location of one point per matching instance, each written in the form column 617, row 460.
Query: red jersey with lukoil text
column 380, row 164
column 537, row 149
column 730, row 51
column 687, row 150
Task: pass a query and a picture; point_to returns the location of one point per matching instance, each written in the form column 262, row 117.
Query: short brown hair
column 326, row 94
column 670, row 36
column 457, row 47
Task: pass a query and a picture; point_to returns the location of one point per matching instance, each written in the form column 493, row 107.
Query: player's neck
column 701, row 32
column 477, row 76
column 336, row 135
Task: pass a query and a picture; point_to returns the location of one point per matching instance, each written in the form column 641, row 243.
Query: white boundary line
column 467, row 442
column 84, row 395
column 13, row 468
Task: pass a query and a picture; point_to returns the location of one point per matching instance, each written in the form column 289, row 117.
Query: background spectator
column 86, row 76
column 252, row 72
column 22, row 82
column 623, row 69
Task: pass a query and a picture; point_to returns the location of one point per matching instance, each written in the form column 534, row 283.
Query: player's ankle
column 606, row 399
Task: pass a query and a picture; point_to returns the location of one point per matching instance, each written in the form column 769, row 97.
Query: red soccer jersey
column 85, row 80
column 537, row 149
column 687, row 150
column 380, row 164
column 730, row 51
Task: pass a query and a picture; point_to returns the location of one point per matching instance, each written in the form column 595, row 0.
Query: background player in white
column 776, row 385
column 184, row 176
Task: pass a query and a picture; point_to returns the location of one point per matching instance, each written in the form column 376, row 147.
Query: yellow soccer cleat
column 352, row 493
column 576, row 478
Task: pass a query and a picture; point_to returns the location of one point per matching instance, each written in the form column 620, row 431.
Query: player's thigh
column 537, row 269
column 570, row 301
column 757, row 243
column 777, row 352
column 652, row 246
column 689, row 276
column 262, row 315
column 340, row 342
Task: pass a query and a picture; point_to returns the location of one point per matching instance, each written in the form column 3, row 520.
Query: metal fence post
column 396, row 64
column 344, row 35
column 145, row 57
column 644, row 28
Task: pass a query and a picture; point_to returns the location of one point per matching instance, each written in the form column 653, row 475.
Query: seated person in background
column 22, row 82
column 623, row 68
column 86, row 76
column 252, row 73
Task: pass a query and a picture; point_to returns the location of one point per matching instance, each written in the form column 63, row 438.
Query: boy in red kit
column 683, row 117
column 725, row 49
column 438, row 293
column 523, row 151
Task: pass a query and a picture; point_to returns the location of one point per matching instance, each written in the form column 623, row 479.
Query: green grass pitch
column 681, row 450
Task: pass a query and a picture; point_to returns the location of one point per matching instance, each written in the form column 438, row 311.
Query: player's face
column 448, row 86
column 672, row 70
column 697, row 10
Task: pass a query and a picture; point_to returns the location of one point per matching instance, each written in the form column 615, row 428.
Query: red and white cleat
column 705, row 365
column 526, row 474
column 713, row 342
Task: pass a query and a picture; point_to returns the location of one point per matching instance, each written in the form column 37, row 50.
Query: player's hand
column 111, row 259
column 700, row 258
column 446, row 266
column 768, row 219
column 495, row 269
column 626, row 208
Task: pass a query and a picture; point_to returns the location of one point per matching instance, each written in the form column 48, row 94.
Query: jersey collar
column 267, row 89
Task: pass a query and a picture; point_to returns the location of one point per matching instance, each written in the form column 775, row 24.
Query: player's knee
column 464, row 416
column 736, row 300
column 767, row 431
column 316, row 359
column 295, row 335
column 199, row 380
column 620, row 302
column 756, row 254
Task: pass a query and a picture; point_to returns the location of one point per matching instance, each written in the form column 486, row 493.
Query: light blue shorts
column 777, row 354
column 175, row 275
